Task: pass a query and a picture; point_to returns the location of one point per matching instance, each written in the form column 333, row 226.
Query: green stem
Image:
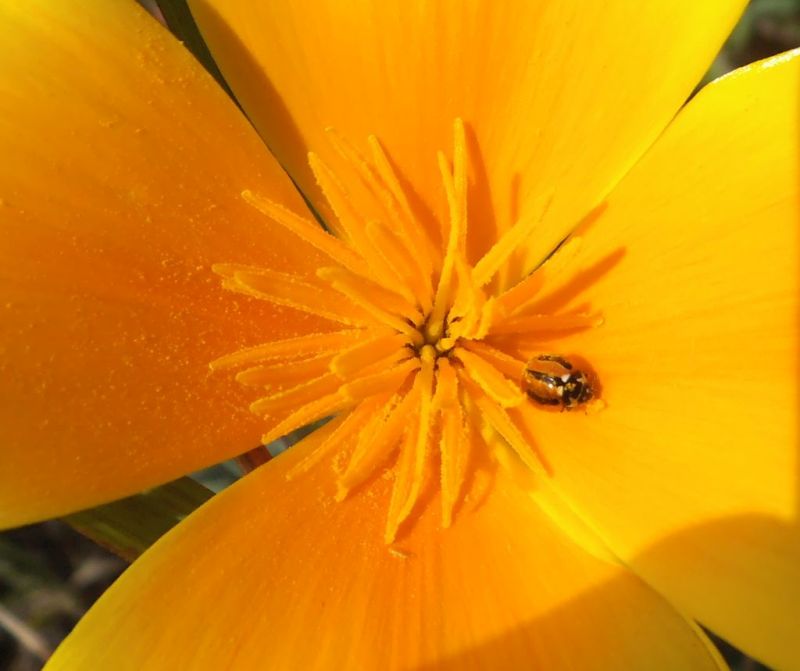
column 129, row 526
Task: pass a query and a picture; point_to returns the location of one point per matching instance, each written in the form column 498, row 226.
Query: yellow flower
column 450, row 516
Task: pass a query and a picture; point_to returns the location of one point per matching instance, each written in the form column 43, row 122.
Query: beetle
column 550, row 379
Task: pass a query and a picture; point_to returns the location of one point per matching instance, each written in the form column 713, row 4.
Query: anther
column 445, row 344
column 427, row 354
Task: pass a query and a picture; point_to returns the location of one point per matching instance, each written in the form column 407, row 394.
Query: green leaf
column 181, row 23
column 129, row 526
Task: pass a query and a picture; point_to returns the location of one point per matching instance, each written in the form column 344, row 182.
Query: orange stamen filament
column 372, row 384
column 312, row 411
column 511, row 240
column 498, row 419
column 454, row 440
column 291, row 348
column 516, row 299
column 291, row 291
column 381, row 304
column 350, row 425
column 408, row 228
column 494, row 384
column 413, row 462
column 284, row 372
column 455, row 185
column 309, row 231
column 401, row 261
column 375, row 444
column 370, row 179
column 364, row 354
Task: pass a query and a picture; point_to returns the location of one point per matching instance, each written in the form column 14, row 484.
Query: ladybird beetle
column 553, row 380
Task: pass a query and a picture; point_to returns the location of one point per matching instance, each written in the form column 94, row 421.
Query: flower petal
column 694, row 266
column 560, row 98
column 123, row 165
column 274, row 574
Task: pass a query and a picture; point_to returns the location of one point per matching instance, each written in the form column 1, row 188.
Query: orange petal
column 119, row 187
column 274, row 574
column 559, row 98
column 695, row 456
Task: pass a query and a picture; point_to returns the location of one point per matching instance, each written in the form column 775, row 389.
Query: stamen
column 514, row 298
column 521, row 296
column 488, row 315
column 378, row 382
column 402, row 248
column 319, row 436
column 455, row 189
column 499, row 420
column 371, row 180
column 369, row 296
column 402, row 263
column 364, row 354
column 298, row 395
column 305, row 415
column 414, row 459
column 375, row 444
column 283, row 372
column 290, row 348
column 408, row 227
column 496, row 385
column 460, row 175
column 354, row 421
column 454, row 441
column 509, row 366
column 404, row 472
column 351, row 224
column 446, row 395
column 309, row 231
column 511, row 240
column 468, row 307
column 454, row 458
column 288, row 290
column 366, row 174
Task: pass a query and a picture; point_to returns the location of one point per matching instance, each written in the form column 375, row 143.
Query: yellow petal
column 695, row 455
column 559, row 98
column 274, row 574
column 123, row 165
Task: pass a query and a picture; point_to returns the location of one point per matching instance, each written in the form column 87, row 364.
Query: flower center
column 434, row 357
